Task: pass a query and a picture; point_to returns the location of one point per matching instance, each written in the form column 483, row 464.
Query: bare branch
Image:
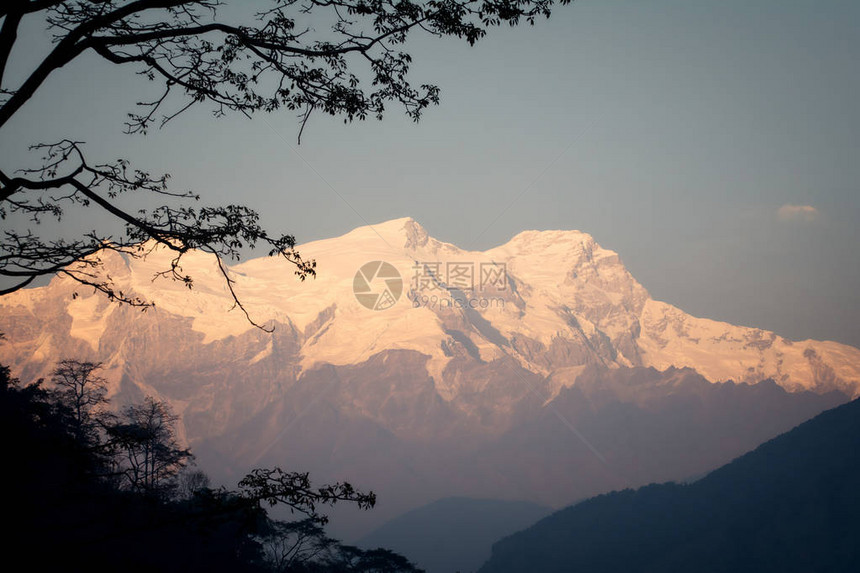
column 351, row 66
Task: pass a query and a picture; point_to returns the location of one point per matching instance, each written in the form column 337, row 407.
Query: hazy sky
column 714, row 144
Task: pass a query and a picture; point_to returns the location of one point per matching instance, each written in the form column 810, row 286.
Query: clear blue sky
column 714, row 144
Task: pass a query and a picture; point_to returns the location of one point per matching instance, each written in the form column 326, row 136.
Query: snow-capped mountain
column 412, row 357
column 554, row 301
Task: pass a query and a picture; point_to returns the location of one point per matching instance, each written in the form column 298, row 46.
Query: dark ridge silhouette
column 453, row 534
column 792, row 504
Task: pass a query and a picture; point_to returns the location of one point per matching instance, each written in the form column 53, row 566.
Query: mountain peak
column 400, row 237
column 404, row 232
column 536, row 234
column 395, row 225
column 553, row 240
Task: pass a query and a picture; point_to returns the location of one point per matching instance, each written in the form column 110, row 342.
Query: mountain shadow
column 453, row 534
column 384, row 426
column 790, row 505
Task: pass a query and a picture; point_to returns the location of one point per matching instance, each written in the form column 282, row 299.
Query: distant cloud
column 797, row 213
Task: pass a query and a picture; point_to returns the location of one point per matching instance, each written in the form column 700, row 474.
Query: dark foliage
column 146, row 456
column 65, row 509
column 791, row 505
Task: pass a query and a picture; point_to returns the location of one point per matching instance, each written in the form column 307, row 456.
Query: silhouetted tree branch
column 349, row 64
column 293, row 489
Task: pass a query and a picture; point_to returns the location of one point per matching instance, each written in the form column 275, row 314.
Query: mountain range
column 539, row 370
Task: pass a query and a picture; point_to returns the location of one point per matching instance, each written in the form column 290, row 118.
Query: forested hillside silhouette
column 793, row 504
column 92, row 489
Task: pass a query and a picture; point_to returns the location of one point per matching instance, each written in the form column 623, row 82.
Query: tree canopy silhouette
column 70, row 512
column 78, row 385
column 147, row 454
column 350, row 63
